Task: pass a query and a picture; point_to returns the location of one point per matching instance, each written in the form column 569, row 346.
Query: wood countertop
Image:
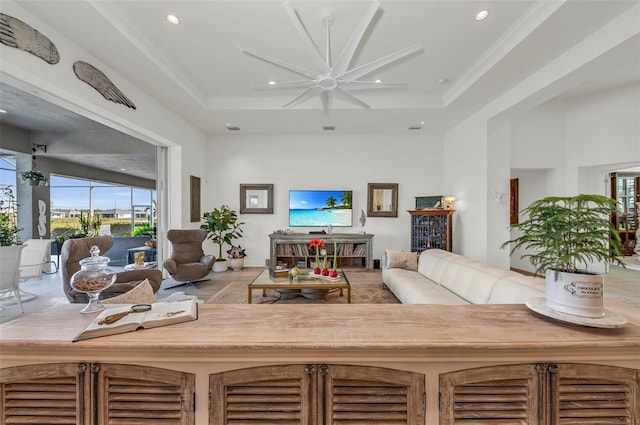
column 413, row 331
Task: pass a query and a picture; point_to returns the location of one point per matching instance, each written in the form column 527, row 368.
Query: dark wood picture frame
column 382, row 200
column 513, row 201
column 194, row 206
column 256, row 198
column 429, row 202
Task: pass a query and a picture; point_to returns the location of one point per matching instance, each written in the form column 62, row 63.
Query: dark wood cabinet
column 96, row 393
column 431, row 228
column 317, row 394
column 543, row 393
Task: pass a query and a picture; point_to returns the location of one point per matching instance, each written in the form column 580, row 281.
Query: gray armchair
column 188, row 262
column 75, row 250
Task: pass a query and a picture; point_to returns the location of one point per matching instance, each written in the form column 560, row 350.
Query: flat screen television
column 320, row 208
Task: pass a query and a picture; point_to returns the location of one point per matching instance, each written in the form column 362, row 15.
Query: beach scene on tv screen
column 320, row 208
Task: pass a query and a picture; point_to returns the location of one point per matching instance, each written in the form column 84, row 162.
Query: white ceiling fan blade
column 288, row 84
column 359, row 85
column 345, row 95
column 303, row 96
column 365, row 69
column 297, row 69
column 325, row 97
column 349, row 50
column 312, row 49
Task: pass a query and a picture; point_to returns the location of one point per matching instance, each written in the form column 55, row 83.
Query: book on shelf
column 160, row 314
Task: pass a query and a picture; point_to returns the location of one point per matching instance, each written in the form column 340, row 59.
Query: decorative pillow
column 141, row 294
column 402, row 260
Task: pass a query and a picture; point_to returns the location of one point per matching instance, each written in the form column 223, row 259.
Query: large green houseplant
column 563, row 234
column 223, row 227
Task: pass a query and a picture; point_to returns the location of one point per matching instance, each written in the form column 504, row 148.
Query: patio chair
column 9, row 272
column 75, row 250
column 32, row 260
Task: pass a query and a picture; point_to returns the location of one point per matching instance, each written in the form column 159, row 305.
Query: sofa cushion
column 511, row 290
column 402, row 260
column 412, row 288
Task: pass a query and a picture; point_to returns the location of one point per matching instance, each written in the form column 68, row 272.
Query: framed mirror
column 382, row 200
column 256, row 199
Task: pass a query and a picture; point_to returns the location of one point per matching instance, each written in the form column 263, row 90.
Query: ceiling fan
column 337, row 79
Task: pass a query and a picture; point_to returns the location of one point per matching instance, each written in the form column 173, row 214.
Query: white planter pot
column 236, row 263
column 220, row 266
column 575, row 293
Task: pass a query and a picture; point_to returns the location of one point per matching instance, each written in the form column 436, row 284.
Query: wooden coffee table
column 293, row 287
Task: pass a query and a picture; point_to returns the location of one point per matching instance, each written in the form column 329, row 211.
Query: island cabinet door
column 365, row 395
column 45, row 394
column 317, row 395
column 541, row 394
column 490, row 395
column 594, row 394
column 268, row 395
column 127, row 394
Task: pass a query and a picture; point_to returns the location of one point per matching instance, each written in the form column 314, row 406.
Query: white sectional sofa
column 441, row 277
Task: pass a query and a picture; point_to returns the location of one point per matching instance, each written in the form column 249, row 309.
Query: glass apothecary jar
column 93, row 277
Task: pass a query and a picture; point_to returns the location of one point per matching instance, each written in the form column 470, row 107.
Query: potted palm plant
column 223, row 227
column 34, row 178
column 565, row 235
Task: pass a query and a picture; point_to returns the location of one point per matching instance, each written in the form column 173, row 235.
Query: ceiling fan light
column 173, row 19
column 482, row 15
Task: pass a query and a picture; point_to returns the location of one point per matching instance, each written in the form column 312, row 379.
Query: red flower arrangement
column 317, row 244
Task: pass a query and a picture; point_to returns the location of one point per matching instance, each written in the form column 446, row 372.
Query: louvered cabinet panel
column 359, row 395
column 270, row 395
column 139, row 395
column 595, row 395
column 44, row 394
column 498, row 395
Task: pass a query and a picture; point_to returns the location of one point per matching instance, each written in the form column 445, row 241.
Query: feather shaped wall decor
column 18, row 34
column 96, row 79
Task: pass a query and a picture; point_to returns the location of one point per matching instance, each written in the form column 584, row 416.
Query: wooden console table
column 354, row 249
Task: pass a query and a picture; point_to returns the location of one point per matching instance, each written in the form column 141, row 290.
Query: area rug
column 362, row 292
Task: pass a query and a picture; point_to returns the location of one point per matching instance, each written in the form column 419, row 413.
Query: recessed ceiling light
column 482, row 15
column 272, row 83
column 442, row 81
column 173, row 19
column 378, row 81
column 2, row 111
column 329, row 128
column 232, row 127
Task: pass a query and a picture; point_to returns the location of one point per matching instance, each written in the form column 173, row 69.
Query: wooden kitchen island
column 310, row 363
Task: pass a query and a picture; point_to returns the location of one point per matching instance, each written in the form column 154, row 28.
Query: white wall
column 469, row 170
column 592, row 135
column 322, row 162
